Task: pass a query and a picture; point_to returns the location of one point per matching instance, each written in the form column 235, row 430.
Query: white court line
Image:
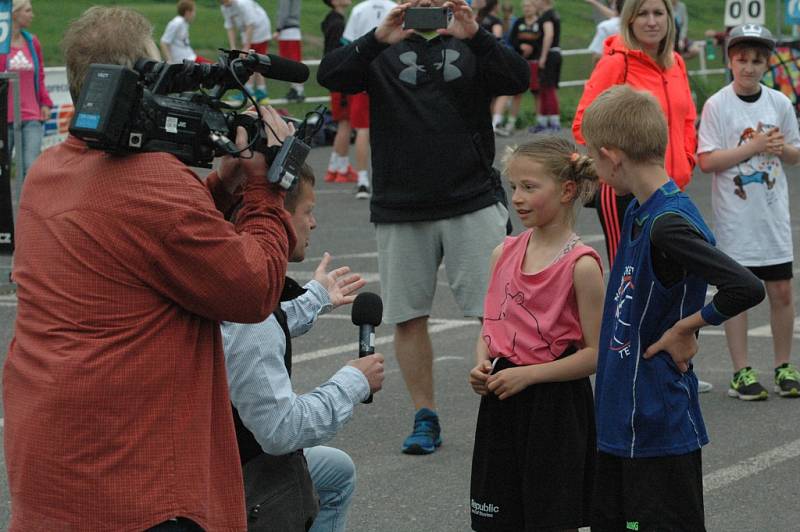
column 762, row 331
column 435, row 327
column 755, row 464
column 587, row 239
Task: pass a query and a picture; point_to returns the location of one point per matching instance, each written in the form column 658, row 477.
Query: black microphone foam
column 367, row 309
column 275, row 67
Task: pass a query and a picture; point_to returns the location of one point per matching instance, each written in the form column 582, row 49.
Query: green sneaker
column 745, row 386
column 787, row 380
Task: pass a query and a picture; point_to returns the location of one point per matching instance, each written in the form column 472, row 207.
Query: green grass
column 207, row 34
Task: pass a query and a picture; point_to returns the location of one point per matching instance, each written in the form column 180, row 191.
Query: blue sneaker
column 427, row 434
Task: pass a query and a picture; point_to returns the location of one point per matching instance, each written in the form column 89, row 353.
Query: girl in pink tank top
column 533, row 461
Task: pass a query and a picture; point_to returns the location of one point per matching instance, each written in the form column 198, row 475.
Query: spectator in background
column 25, row 58
column 364, row 17
column 687, row 48
column 548, row 118
column 290, row 41
column 606, row 28
column 255, row 31
column 117, row 413
column 175, row 47
column 427, row 204
column 525, row 37
column 339, row 169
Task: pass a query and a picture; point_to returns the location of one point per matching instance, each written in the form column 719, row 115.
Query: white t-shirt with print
column 242, row 13
column 176, row 36
column 366, row 16
column 750, row 200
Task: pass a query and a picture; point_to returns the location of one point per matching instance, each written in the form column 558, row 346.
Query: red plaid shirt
column 117, row 414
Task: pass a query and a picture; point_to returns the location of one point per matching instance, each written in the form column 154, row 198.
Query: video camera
column 178, row 109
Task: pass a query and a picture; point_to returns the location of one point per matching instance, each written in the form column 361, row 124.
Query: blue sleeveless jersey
column 644, row 407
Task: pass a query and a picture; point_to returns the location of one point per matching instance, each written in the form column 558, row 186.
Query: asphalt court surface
column 750, row 467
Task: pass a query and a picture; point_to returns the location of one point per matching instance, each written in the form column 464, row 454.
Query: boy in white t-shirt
column 747, row 133
column 175, row 45
column 255, row 30
column 364, row 17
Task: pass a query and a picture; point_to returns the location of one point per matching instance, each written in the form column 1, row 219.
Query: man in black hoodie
column 435, row 193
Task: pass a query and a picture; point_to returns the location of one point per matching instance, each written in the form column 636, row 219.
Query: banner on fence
column 6, row 210
column 57, row 126
column 5, row 26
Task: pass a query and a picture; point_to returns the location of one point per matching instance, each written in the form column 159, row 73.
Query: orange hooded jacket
column 670, row 87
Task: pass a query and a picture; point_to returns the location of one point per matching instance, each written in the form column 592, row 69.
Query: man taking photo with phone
column 428, row 205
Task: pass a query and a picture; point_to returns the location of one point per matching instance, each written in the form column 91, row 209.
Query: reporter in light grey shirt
column 258, row 375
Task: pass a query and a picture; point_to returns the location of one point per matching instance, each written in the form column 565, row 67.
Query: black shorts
column 776, row 272
column 533, row 462
column 550, row 75
column 661, row 494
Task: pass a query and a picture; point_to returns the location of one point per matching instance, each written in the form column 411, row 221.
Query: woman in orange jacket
column 642, row 56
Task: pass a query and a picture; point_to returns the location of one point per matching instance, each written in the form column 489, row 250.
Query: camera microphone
column 367, row 313
column 275, row 67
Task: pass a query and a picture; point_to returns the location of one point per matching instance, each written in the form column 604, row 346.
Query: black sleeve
column 513, row 36
column 503, row 70
column 345, row 69
column 678, row 249
column 332, row 30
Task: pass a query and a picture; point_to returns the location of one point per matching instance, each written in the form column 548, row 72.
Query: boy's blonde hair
column 560, row 159
column 665, row 49
column 629, row 120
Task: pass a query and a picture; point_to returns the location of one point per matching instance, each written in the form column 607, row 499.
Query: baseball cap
column 751, row 33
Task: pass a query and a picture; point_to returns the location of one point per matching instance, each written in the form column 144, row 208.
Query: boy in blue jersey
column 649, row 426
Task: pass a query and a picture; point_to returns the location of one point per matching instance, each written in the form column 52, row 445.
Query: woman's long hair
column 664, row 57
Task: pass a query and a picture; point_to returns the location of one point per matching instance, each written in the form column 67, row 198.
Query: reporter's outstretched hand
column 372, row 368
column 234, row 171
column 340, row 286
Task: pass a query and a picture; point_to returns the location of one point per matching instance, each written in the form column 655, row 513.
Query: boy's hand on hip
column 679, row 342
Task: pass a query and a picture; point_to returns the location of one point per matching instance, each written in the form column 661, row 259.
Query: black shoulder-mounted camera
column 178, row 109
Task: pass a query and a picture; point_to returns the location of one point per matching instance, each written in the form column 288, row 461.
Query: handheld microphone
column 367, row 314
column 275, row 67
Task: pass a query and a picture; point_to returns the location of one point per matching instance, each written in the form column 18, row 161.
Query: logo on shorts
column 485, row 509
column 632, row 525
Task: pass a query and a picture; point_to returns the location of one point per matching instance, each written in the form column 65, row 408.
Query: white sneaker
column 502, row 131
column 703, row 386
column 362, row 192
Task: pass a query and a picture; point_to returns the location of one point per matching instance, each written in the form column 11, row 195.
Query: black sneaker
column 787, row 380
column 745, row 386
column 362, row 192
column 294, row 96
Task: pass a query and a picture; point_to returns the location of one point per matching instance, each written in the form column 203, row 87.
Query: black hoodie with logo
column 430, row 124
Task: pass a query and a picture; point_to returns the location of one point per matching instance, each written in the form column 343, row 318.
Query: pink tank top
column 532, row 318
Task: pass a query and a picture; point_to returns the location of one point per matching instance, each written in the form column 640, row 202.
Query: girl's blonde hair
column 561, row 159
column 665, row 48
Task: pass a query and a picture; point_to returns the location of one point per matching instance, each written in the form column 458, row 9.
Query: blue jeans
column 32, row 133
column 334, row 476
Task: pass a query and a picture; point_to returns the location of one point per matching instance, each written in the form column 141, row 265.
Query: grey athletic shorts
column 409, row 255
